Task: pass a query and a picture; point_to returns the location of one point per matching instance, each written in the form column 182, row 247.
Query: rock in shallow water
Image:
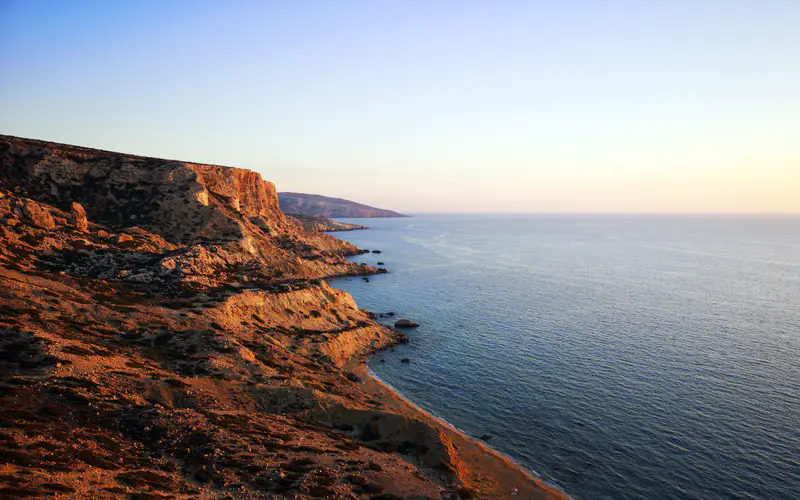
column 405, row 323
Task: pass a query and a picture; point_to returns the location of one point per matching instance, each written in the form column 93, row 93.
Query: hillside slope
column 165, row 333
column 322, row 206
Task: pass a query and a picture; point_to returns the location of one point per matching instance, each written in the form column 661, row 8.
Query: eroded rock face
column 181, row 201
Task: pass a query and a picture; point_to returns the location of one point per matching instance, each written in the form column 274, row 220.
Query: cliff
column 165, row 332
column 322, row 206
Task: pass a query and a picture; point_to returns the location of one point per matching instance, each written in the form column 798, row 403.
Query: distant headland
column 323, row 206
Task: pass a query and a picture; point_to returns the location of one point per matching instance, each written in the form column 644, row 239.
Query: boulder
column 405, row 360
column 37, row 215
column 376, row 251
column 405, row 323
column 77, row 217
column 124, row 239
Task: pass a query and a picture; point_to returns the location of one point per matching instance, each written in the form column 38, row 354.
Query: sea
column 616, row 356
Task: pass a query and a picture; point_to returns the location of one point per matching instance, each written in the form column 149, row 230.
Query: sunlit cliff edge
column 165, row 331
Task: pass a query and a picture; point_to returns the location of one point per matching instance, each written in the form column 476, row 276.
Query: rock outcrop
column 77, row 217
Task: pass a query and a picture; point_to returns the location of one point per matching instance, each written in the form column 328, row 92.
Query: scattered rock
column 390, row 313
column 380, row 263
column 80, row 243
column 405, row 323
column 124, row 238
column 376, row 251
column 77, row 217
column 365, row 279
column 37, row 215
column 405, row 360
column 486, row 437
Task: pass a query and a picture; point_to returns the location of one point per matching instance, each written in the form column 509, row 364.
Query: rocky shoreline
column 323, row 224
column 166, row 332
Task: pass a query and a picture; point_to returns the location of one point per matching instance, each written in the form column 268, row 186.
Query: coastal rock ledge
column 165, row 332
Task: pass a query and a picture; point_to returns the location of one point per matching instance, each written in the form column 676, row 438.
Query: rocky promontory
column 323, row 224
column 166, row 332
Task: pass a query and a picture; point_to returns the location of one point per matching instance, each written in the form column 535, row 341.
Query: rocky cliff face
column 182, row 201
column 164, row 331
column 213, row 218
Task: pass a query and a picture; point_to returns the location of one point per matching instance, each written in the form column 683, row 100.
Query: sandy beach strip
column 489, row 472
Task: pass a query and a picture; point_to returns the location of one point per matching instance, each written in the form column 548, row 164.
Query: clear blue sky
column 573, row 106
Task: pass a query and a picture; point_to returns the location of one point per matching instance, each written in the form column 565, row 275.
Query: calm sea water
column 623, row 357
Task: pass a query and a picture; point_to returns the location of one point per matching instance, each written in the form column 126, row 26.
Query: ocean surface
column 619, row 357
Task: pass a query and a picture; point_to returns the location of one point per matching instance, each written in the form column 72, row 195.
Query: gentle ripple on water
column 621, row 357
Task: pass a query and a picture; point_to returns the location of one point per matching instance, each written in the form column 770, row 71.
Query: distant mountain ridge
column 323, row 206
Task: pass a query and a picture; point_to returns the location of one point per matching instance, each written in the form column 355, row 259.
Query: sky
column 430, row 106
